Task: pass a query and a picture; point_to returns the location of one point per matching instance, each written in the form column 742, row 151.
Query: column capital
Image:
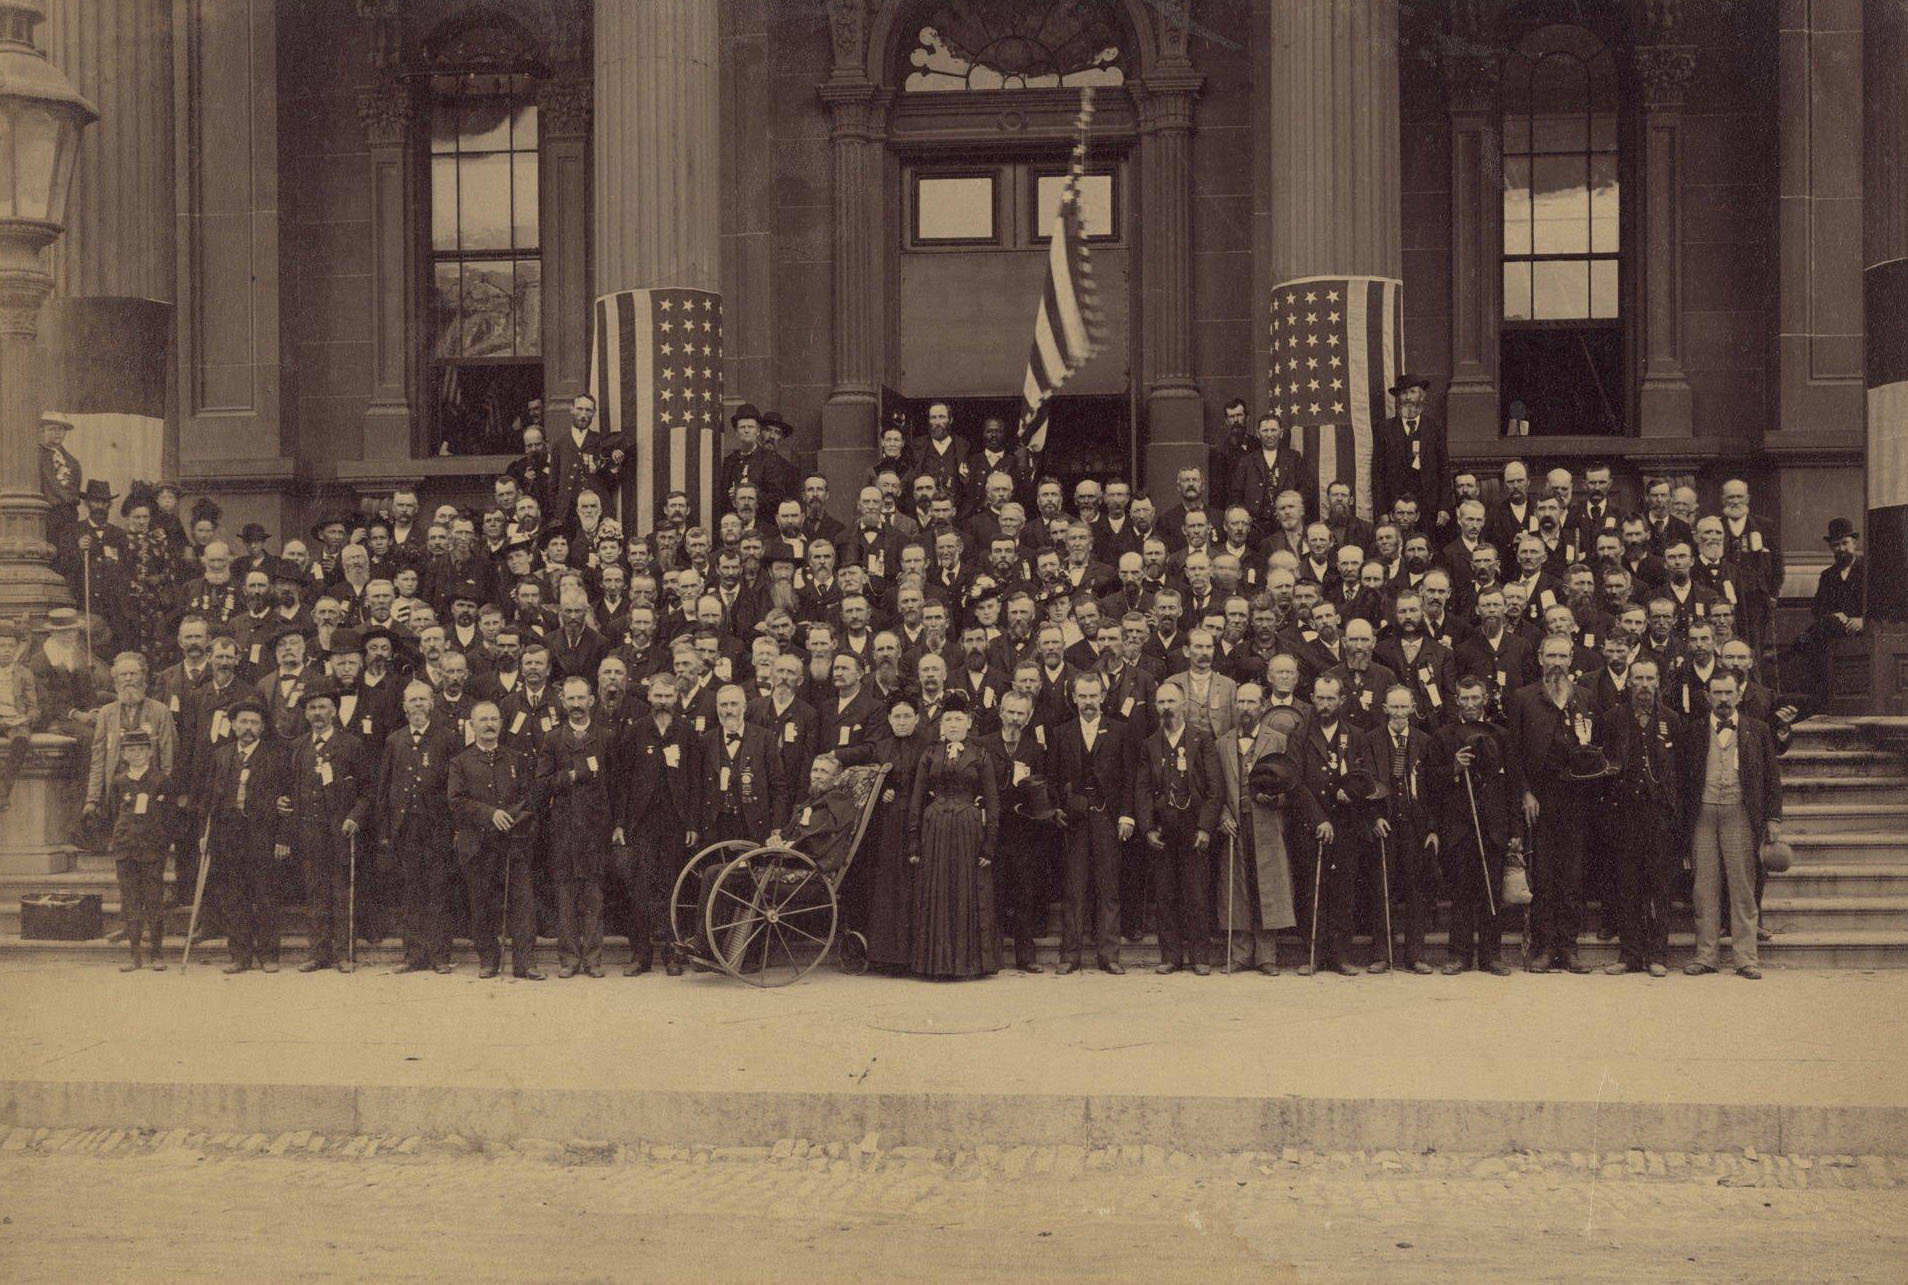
column 1165, row 99
column 565, row 107
column 858, row 109
column 386, row 112
column 1665, row 72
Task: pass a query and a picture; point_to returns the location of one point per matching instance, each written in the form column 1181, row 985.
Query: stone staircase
column 1843, row 904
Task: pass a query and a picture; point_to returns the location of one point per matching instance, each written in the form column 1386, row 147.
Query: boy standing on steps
column 139, row 807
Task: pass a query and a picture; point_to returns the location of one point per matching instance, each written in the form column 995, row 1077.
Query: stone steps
column 1833, row 814
column 1840, row 913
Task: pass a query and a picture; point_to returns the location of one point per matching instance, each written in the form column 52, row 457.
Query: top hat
column 1839, row 528
column 1034, row 800
column 746, row 410
column 1585, row 763
column 1361, row 786
column 98, row 489
column 1408, row 381
column 1273, row 775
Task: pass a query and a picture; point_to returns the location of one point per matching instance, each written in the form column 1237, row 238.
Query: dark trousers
column 579, row 920
column 326, row 858
column 245, row 878
column 424, row 865
column 1023, row 872
column 647, row 869
column 1093, row 886
column 18, row 741
column 1181, row 889
column 1643, row 863
column 1810, row 662
column 1403, row 869
column 142, row 881
column 498, row 862
column 1556, row 872
column 1473, row 887
column 1336, row 878
column 1136, row 869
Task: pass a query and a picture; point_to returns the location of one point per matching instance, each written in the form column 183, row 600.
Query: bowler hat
column 253, row 533
column 1361, row 786
column 1839, row 529
column 248, row 705
column 319, row 689
column 1273, row 775
column 345, row 641
column 1585, row 763
column 369, row 632
column 283, row 632
column 98, row 489
column 746, row 410
column 773, row 419
column 318, row 527
column 1408, row 381
column 1777, row 855
column 1034, row 800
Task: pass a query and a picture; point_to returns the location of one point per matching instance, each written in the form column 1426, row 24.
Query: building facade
column 1634, row 229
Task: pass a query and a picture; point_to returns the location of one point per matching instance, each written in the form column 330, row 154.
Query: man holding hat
column 1408, row 453
column 323, row 807
column 238, row 799
column 1470, row 805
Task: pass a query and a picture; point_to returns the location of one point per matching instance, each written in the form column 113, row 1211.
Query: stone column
column 1477, row 236
column 1175, row 412
column 857, row 134
column 387, row 112
column 1885, row 313
column 658, row 95
column 1334, row 138
column 564, row 123
column 1664, row 72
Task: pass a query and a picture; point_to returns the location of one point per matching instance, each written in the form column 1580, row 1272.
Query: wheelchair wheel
column 771, row 917
column 853, row 953
column 685, row 899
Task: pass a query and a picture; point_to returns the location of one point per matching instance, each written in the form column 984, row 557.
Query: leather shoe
column 1112, row 966
column 567, row 970
column 1030, row 967
column 410, row 966
column 593, row 971
column 236, row 966
column 1499, row 970
column 1348, row 970
column 311, row 966
column 1202, row 970
column 673, row 968
column 444, row 970
column 346, row 966
column 529, row 975
column 1537, row 966
column 269, row 966
column 1163, row 969
column 1750, row 971
column 1306, row 970
column 1379, row 966
column 1452, row 969
column 487, row 972
column 1421, row 968
column 1615, row 970
column 1269, row 968
column 1064, row 967
column 637, row 967
column 1697, row 970
column 1577, row 966
column 1657, row 970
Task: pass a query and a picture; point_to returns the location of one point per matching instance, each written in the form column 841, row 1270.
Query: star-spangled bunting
column 1336, row 346
column 656, row 373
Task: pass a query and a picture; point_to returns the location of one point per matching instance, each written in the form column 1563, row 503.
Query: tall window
column 486, row 273
column 1562, row 260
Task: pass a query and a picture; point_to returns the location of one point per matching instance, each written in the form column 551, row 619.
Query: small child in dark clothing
column 139, row 813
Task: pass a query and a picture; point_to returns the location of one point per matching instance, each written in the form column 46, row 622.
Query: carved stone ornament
column 1175, row 23
column 386, row 114
column 565, row 107
column 847, row 20
column 1665, row 72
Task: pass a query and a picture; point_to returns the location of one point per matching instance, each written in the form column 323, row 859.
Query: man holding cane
column 325, row 804
column 244, row 779
column 1470, row 808
column 492, row 808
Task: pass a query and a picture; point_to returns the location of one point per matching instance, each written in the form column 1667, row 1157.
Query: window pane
column 954, row 209
column 1603, row 288
column 1559, row 133
column 1516, row 135
column 524, row 217
column 443, row 202
column 1559, row 85
column 1517, row 292
column 484, row 203
column 529, row 307
column 523, row 133
column 1516, row 205
column 485, row 125
column 444, row 127
column 1560, row 290
column 1562, row 199
column 1096, row 203
column 488, row 307
column 1603, row 204
column 444, row 321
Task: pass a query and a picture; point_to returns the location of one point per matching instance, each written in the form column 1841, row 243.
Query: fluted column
column 1477, row 234
column 658, row 145
column 564, row 123
column 1334, row 138
column 1664, row 71
column 1885, row 319
column 120, row 232
column 387, row 112
column 1175, row 413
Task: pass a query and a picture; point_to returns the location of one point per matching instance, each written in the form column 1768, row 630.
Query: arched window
column 954, row 45
column 1562, row 254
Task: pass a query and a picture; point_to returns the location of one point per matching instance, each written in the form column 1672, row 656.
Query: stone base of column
column 1175, row 437
column 1471, row 411
column 44, row 807
column 848, row 422
column 1887, row 667
column 1665, row 408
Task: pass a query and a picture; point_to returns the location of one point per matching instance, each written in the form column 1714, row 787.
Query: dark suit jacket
column 1535, row 727
column 320, row 807
column 1834, row 593
column 836, row 727
column 1105, row 773
column 1391, row 471
column 218, row 794
column 573, row 773
column 1256, row 484
column 655, row 788
column 1760, row 777
column 756, row 784
column 796, row 733
column 478, row 786
column 1159, row 765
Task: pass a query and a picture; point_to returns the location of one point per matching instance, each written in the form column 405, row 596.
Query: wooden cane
column 1232, row 846
column 351, row 900
column 86, row 588
column 1384, row 881
column 1477, row 827
column 1318, row 880
column 198, row 893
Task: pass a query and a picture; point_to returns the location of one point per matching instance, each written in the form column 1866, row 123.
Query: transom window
column 1012, row 44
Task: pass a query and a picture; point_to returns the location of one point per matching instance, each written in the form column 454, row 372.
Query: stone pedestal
column 46, row 802
column 1885, row 316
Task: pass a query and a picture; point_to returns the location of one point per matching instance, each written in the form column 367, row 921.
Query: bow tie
column 733, row 738
column 1725, row 724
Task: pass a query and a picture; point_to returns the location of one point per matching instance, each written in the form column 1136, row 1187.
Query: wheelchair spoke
column 786, row 923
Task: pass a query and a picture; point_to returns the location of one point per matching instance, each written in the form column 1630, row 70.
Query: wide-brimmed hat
column 248, row 704
column 1361, row 786
column 1273, row 775
column 747, row 410
column 344, row 642
column 253, row 533
column 333, row 519
column 319, row 689
column 283, row 632
column 1586, row 763
column 1408, row 381
column 98, row 489
column 63, row 619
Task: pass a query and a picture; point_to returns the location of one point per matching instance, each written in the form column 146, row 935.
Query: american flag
column 656, row 374
column 1067, row 326
column 1337, row 347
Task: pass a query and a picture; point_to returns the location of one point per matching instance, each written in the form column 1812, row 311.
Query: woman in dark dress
column 953, row 821
column 877, row 894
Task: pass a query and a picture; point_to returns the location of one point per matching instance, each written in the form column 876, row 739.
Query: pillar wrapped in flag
column 1067, row 328
column 1336, row 349
column 656, row 374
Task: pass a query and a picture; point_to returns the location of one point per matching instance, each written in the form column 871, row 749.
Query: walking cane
column 1477, row 827
column 1384, row 881
column 351, row 901
column 503, row 919
column 86, row 590
column 198, row 892
column 1232, row 844
column 1318, row 879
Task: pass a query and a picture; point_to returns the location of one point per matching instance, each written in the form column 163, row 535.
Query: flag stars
column 667, row 304
column 1331, row 296
column 1311, row 296
column 1332, row 317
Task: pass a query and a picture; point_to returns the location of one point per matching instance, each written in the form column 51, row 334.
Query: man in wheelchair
column 821, row 827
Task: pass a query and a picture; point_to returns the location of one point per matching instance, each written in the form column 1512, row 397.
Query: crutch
column 1384, row 885
column 1477, row 828
column 198, row 892
column 351, row 901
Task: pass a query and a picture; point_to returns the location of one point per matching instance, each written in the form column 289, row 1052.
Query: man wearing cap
column 139, row 808
column 237, row 795
column 324, row 806
column 61, row 479
column 411, row 820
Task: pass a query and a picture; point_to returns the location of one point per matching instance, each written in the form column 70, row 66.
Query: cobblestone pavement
column 116, row 1205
